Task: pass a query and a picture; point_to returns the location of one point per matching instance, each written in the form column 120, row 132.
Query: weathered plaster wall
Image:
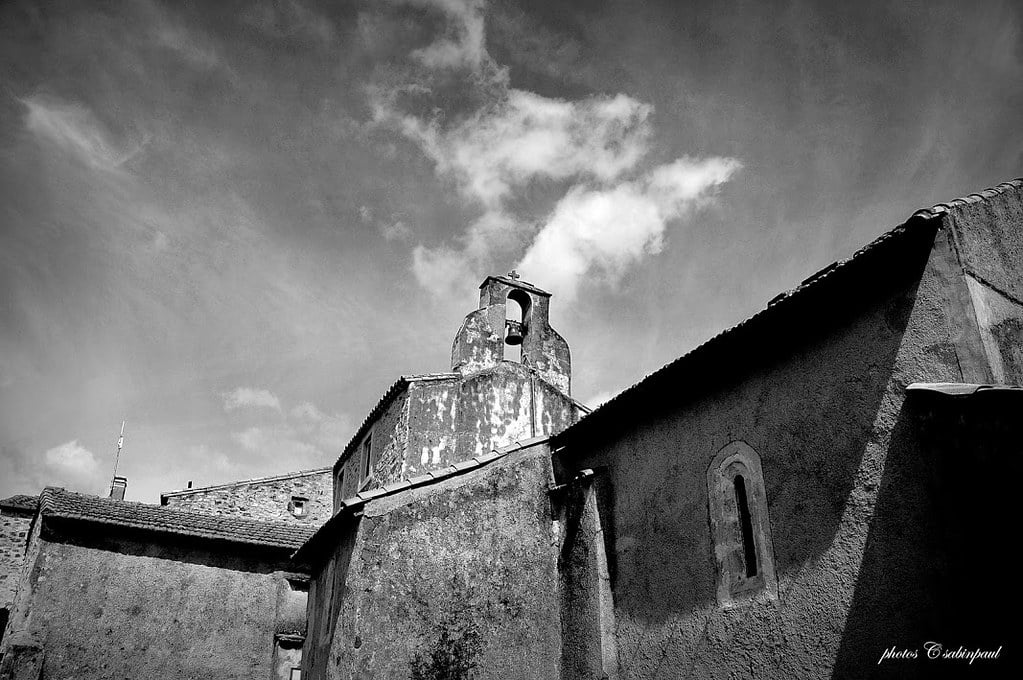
column 106, row 607
column 432, row 420
column 264, row 500
column 455, row 580
column 435, row 423
column 989, row 241
column 989, row 237
column 14, row 527
column 851, row 513
column 506, row 404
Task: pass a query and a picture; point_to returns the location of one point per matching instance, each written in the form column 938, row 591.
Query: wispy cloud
column 306, row 436
column 610, row 206
column 524, row 136
column 75, row 130
column 601, row 232
column 462, row 46
column 289, row 19
column 73, row 466
column 248, row 397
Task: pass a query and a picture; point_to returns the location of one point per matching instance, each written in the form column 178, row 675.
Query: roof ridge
column 59, row 503
column 241, row 482
column 976, row 197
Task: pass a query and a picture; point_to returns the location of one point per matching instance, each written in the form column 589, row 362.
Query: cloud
column 585, row 164
column 329, row 432
column 443, row 269
column 247, row 397
column 525, row 137
column 73, row 466
column 396, row 230
column 463, row 43
column 289, row 19
column 602, row 232
column 305, row 437
column 73, row 128
column 601, row 398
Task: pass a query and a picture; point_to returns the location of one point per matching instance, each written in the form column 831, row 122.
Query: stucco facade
column 817, row 388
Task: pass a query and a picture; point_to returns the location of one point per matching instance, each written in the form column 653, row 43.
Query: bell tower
column 481, row 341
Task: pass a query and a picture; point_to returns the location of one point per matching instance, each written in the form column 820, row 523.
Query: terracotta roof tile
column 20, row 503
column 58, row 503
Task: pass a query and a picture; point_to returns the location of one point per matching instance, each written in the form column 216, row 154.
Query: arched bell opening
column 516, row 324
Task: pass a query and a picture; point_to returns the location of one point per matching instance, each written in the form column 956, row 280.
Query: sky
column 234, row 224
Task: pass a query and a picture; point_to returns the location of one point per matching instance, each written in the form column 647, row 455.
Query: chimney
column 117, row 488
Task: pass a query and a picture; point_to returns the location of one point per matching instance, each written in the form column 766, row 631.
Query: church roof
column 58, row 503
column 884, row 256
column 20, row 503
column 242, row 482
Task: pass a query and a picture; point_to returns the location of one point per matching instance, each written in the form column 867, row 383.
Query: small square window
column 298, row 506
column 296, row 674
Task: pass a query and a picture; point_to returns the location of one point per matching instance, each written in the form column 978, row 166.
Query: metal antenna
column 120, row 443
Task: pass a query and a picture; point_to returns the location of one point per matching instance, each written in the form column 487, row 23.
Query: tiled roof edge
column 978, row 197
column 185, row 523
column 243, row 482
column 20, row 503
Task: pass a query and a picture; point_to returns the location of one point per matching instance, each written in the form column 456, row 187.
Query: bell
column 513, row 336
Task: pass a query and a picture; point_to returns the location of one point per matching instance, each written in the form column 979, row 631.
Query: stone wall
column 14, row 527
column 856, row 535
column 264, row 499
column 454, row 580
column 135, row 605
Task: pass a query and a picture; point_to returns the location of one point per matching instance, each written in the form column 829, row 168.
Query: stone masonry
column 14, row 526
column 270, row 499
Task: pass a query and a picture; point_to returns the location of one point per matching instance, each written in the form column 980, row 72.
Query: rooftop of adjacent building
column 20, row 503
column 242, row 482
column 92, row 510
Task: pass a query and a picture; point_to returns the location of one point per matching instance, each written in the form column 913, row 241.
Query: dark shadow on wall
column 175, row 547
column 812, row 446
column 814, row 373
column 940, row 544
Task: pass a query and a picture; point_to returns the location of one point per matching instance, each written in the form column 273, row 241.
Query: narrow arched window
column 749, row 548
column 741, row 530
